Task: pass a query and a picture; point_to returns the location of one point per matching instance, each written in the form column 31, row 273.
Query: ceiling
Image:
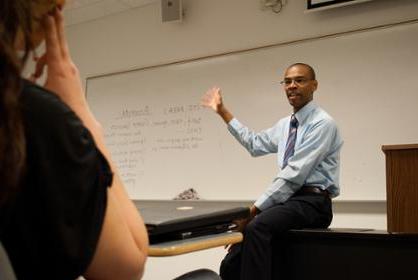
column 78, row 11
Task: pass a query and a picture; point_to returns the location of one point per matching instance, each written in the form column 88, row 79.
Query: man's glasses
column 297, row 81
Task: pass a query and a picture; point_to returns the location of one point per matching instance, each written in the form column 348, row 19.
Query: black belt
column 312, row 189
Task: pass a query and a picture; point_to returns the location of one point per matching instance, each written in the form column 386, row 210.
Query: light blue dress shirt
column 315, row 162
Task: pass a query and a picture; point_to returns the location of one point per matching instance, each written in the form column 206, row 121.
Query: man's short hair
column 307, row 66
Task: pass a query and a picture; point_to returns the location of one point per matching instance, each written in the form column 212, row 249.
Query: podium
column 402, row 188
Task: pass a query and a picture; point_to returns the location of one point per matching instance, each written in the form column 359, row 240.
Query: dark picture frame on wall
column 327, row 4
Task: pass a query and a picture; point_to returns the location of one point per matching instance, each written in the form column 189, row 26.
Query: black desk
column 346, row 254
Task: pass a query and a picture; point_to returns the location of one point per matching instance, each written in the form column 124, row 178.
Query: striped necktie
column 291, row 140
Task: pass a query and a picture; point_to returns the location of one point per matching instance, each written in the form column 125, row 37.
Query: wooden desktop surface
column 178, row 247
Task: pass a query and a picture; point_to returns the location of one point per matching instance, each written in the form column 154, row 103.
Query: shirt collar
column 303, row 113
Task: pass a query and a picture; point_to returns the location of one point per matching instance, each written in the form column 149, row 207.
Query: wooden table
column 178, row 247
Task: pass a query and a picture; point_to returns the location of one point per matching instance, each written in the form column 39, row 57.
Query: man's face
column 299, row 86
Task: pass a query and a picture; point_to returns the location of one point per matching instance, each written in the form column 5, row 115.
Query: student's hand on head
column 62, row 75
column 213, row 99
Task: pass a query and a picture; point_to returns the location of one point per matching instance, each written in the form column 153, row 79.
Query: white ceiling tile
column 76, row 16
column 138, row 3
column 78, row 11
column 113, row 6
column 75, row 4
column 93, row 11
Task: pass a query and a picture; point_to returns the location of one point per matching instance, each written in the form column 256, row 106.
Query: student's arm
column 123, row 243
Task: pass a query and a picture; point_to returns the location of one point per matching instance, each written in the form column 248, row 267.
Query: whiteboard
column 163, row 142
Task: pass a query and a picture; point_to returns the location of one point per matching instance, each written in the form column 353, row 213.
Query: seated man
column 307, row 145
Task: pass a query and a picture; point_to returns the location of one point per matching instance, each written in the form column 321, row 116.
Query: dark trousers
column 252, row 259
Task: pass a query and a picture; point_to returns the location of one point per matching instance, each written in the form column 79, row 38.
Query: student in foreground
column 64, row 211
column 307, row 144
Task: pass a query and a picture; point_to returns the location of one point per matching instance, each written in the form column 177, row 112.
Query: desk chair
column 199, row 274
column 6, row 270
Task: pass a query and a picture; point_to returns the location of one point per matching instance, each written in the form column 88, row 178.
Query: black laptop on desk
column 168, row 220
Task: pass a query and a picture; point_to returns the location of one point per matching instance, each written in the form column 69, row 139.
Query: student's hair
column 15, row 21
column 307, row 66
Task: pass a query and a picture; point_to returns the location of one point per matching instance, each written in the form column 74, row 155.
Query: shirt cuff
column 263, row 202
column 234, row 124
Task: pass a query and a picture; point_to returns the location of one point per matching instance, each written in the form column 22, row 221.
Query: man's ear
column 314, row 85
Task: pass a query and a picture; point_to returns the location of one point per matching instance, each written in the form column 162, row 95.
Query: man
column 308, row 145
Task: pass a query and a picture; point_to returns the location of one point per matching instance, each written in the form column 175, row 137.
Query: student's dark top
column 51, row 229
